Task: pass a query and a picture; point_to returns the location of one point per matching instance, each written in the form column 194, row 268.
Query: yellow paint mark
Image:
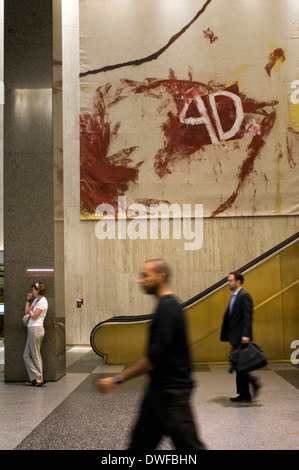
column 293, row 117
column 242, row 68
column 86, row 89
column 293, row 433
column 232, row 83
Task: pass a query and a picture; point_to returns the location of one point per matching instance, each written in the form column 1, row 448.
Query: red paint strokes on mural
column 151, row 201
column 275, row 56
column 198, row 115
column 292, row 146
column 103, row 177
column 247, row 167
column 208, row 33
column 149, row 204
column 199, row 119
column 184, row 140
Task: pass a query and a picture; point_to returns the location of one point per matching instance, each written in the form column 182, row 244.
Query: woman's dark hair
column 40, row 287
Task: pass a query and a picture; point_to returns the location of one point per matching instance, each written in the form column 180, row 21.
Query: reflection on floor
column 71, row 415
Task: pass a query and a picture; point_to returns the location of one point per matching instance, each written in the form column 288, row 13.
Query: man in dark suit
column 237, row 329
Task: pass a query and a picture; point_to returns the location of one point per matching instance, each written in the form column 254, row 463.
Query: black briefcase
column 248, row 357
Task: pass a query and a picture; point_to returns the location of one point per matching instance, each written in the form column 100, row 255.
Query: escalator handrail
column 201, row 295
column 247, row 266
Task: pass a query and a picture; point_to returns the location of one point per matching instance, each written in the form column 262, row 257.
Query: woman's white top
column 43, row 305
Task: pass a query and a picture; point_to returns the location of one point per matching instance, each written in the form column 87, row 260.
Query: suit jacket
column 238, row 323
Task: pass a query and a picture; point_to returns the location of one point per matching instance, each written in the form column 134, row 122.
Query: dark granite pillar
column 30, row 232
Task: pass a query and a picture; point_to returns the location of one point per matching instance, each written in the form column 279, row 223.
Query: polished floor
column 71, row 415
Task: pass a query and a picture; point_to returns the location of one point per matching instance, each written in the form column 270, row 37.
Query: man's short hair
column 238, row 276
column 160, row 267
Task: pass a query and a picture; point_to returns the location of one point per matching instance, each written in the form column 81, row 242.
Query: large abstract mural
column 190, row 102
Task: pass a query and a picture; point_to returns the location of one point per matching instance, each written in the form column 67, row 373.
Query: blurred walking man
column 165, row 409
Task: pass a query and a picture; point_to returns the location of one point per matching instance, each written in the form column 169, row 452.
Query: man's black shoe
column 245, row 398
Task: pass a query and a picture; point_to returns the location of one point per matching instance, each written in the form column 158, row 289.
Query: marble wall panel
column 104, row 272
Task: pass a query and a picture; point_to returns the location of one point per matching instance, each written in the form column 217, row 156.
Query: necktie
column 231, row 303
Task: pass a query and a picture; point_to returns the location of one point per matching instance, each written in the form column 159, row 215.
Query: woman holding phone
column 37, row 311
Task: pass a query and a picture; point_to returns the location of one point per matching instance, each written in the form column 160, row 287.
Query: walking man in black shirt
column 166, row 408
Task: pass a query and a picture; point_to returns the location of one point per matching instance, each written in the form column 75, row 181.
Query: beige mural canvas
column 190, row 102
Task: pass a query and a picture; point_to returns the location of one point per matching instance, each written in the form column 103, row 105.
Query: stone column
column 32, row 240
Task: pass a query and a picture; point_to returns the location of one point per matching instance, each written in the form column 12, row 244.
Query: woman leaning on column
column 37, row 311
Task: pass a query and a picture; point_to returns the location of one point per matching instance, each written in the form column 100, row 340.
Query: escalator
column 273, row 281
